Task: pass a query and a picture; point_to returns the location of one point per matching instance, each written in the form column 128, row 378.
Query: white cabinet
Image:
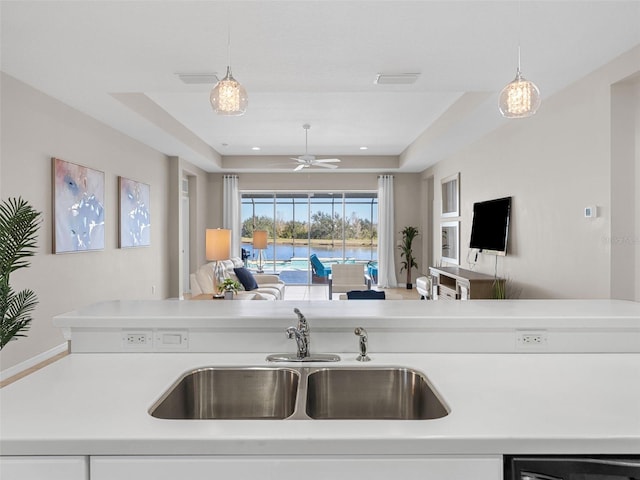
column 297, row 467
column 44, row 468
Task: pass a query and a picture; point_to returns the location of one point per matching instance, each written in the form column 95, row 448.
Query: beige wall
column 553, row 164
column 36, row 127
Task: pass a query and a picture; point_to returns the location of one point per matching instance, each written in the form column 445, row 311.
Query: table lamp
column 217, row 246
column 259, row 243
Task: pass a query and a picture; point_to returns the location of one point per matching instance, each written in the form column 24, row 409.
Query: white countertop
column 481, row 326
column 94, row 404
column 460, row 313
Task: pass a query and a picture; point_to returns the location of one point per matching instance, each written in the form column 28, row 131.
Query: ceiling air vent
column 198, row 78
column 396, row 78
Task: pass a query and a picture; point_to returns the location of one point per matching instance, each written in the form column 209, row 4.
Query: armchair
column 346, row 277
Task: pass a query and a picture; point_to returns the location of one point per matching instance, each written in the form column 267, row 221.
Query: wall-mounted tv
column 490, row 228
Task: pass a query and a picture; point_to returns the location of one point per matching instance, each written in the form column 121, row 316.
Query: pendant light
column 228, row 97
column 520, row 98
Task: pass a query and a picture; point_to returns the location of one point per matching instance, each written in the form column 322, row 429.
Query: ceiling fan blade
column 325, row 165
column 299, row 167
column 327, row 160
column 297, row 159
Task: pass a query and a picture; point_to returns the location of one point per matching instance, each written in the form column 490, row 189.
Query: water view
column 291, row 262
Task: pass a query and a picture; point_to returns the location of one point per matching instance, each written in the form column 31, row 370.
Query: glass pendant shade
column 228, row 97
column 520, row 98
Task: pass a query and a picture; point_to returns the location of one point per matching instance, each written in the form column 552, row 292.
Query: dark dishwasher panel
column 572, row 467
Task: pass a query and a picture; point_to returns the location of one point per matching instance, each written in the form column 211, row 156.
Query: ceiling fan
column 306, row 160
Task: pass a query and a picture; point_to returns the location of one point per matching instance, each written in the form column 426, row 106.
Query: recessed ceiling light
column 396, row 78
column 255, row 148
column 225, row 144
column 364, row 148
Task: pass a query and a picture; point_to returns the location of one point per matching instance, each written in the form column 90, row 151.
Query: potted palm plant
column 18, row 232
column 406, row 252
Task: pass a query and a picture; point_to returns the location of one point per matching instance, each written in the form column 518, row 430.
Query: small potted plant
column 406, row 252
column 229, row 286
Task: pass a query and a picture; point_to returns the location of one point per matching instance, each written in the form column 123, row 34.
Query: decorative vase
column 228, row 295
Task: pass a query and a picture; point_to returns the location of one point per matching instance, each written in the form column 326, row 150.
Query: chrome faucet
column 301, row 334
column 362, row 333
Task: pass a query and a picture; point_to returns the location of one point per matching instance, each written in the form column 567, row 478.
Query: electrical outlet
column 136, row 340
column 534, row 339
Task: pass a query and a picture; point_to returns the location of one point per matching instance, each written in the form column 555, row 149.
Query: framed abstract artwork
column 450, row 242
column 78, row 207
column 450, row 187
column 135, row 217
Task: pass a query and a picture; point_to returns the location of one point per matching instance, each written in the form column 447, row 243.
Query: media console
column 455, row 283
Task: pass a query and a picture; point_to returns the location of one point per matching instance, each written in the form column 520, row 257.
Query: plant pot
column 228, row 295
column 409, row 286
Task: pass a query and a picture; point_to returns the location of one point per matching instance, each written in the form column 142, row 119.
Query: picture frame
column 450, row 195
column 78, row 199
column 134, row 224
column 450, row 246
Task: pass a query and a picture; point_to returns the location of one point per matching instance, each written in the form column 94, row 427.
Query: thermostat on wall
column 590, row 212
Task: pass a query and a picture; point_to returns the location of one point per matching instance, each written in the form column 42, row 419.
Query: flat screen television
column 490, row 227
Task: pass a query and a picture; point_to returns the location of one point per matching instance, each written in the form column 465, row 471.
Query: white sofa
column 270, row 287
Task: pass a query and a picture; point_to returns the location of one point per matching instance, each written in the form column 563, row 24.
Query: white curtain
column 231, row 212
column 386, row 233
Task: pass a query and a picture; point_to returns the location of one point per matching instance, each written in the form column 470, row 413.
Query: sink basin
column 371, row 393
column 301, row 393
column 231, row 393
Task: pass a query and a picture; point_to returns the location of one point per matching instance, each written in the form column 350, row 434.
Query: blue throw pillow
column 365, row 295
column 246, row 278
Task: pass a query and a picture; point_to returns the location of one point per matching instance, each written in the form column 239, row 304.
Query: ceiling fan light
column 520, row 98
column 229, row 97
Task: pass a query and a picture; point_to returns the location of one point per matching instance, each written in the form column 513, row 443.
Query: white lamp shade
column 217, row 244
column 519, row 99
column 260, row 239
column 229, row 97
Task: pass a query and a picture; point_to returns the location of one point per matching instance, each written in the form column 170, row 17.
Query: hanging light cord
column 519, row 33
column 229, row 46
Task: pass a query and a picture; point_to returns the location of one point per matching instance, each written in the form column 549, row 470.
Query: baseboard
column 33, row 361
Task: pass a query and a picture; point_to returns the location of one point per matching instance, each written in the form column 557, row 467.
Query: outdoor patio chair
column 318, row 267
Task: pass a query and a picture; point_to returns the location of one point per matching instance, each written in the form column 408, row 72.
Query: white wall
column 553, row 164
column 624, row 200
column 35, row 128
column 637, row 189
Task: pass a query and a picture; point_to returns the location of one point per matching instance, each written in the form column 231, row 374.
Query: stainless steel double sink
column 374, row 393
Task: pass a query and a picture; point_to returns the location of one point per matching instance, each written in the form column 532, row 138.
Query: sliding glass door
column 336, row 227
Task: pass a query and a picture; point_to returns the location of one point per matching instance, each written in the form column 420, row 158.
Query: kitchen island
column 504, row 398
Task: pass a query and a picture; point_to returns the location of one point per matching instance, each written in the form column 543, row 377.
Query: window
column 337, row 227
